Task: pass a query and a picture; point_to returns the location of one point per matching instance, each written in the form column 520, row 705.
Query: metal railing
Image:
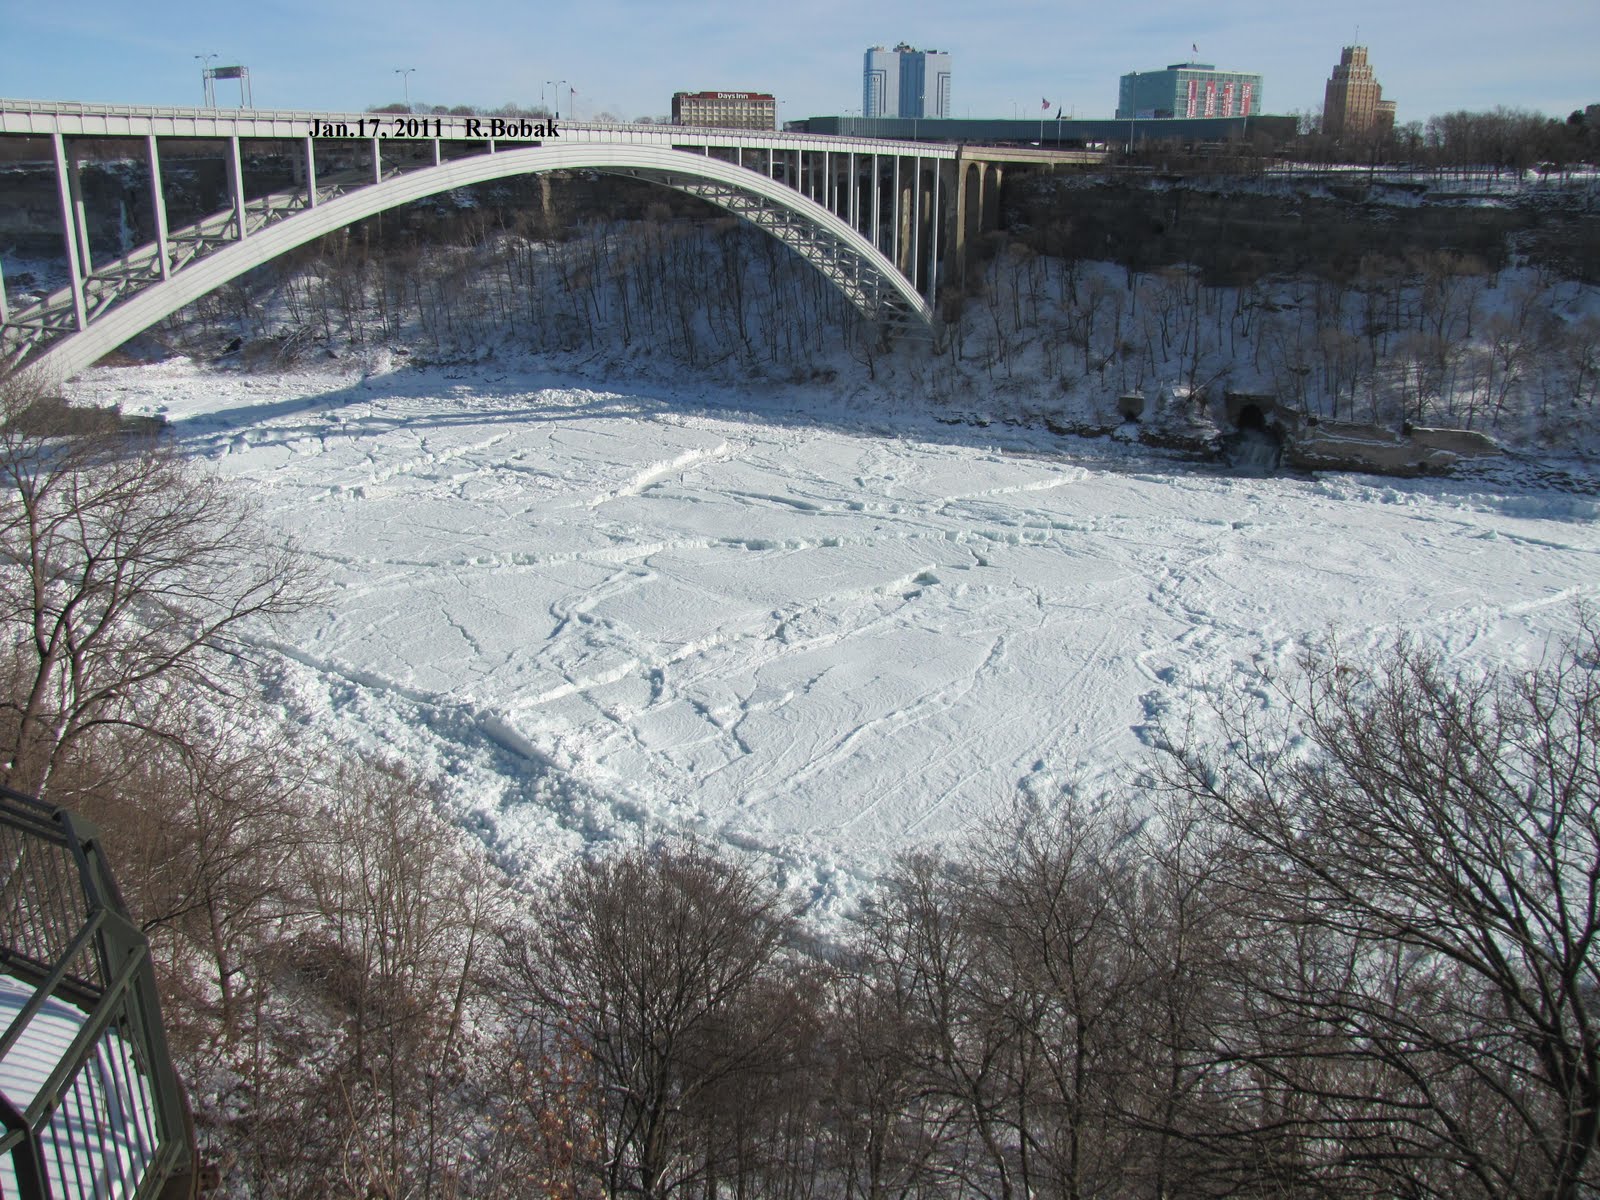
column 89, row 1102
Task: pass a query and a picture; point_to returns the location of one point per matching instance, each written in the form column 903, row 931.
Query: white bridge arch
column 873, row 216
column 857, row 268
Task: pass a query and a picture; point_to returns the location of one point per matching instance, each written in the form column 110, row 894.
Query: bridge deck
column 41, row 118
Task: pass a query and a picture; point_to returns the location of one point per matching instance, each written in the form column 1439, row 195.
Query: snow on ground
column 775, row 622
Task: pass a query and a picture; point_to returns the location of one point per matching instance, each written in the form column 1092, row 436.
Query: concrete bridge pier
column 974, row 185
column 902, row 218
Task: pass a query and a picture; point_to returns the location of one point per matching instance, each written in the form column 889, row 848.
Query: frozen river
column 797, row 633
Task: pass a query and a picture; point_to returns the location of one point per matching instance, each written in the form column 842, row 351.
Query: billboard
column 1211, row 97
column 1194, row 90
column 1227, row 99
column 1249, row 89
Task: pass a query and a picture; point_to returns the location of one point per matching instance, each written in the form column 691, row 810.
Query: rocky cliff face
column 1238, row 228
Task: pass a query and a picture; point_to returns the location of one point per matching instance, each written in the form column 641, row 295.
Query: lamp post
column 405, row 82
column 206, row 92
column 558, row 85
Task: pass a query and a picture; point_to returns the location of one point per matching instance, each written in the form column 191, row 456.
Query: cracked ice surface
column 787, row 632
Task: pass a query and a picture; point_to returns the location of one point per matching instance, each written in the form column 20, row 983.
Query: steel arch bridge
column 872, row 216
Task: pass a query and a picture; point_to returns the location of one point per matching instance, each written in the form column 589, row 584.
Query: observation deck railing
column 89, row 1103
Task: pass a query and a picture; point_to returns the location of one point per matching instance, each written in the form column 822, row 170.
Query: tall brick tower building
column 1353, row 104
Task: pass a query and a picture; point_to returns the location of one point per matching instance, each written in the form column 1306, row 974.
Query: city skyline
column 628, row 58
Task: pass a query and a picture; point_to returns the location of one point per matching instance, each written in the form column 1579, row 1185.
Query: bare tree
column 1432, row 869
column 663, row 964
column 206, row 824
column 121, row 564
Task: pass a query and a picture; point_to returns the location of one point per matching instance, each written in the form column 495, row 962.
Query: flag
column 1058, row 114
column 1045, row 105
column 1195, row 46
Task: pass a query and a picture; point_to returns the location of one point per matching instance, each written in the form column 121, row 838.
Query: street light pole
column 558, row 85
column 405, row 80
column 207, row 88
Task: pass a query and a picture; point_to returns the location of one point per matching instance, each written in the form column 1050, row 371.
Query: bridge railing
column 277, row 123
column 89, row 1102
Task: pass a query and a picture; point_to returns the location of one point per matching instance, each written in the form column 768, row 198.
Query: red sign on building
column 1244, row 110
column 1227, row 99
column 1194, row 91
column 1211, row 97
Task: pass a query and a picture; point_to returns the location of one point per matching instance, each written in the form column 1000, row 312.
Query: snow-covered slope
column 821, row 633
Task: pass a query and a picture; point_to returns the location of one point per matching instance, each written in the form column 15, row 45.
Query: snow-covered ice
column 779, row 624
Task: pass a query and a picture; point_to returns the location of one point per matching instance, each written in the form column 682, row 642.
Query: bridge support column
column 377, row 162
column 853, row 208
column 311, row 173
column 934, row 221
column 991, row 198
column 80, row 212
column 69, row 229
column 952, row 245
column 895, row 220
column 236, row 184
column 877, row 204
column 158, row 206
column 916, row 218
column 5, row 313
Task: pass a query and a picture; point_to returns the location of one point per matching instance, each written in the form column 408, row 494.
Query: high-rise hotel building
column 1353, row 103
column 1190, row 89
column 905, row 82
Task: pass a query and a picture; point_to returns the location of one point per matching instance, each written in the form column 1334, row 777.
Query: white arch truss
column 124, row 298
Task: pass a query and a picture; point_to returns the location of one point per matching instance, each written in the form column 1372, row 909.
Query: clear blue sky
column 628, row 57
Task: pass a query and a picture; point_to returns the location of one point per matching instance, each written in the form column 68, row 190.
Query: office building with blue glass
column 1189, row 90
